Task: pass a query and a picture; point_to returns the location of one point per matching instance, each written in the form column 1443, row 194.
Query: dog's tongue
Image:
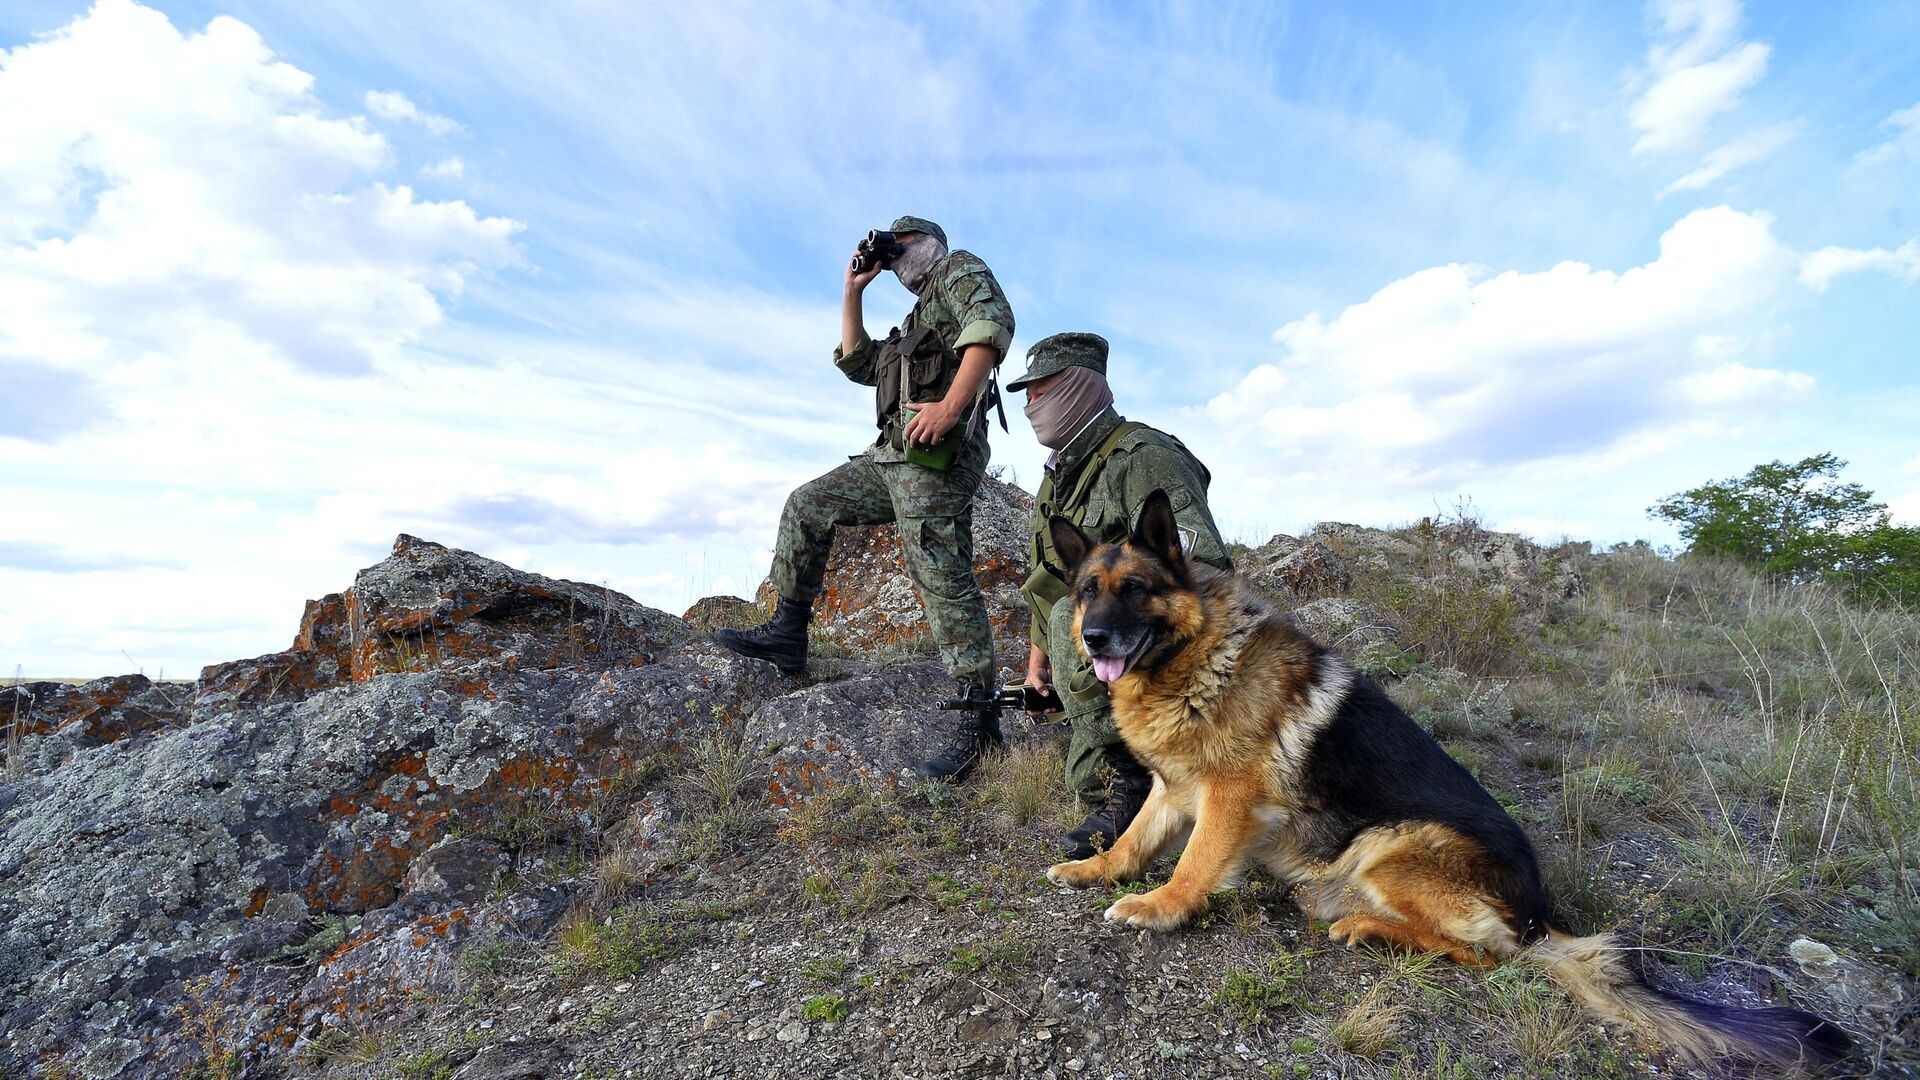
column 1109, row 668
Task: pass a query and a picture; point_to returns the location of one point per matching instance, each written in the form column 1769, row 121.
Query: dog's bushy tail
column 1607, row 978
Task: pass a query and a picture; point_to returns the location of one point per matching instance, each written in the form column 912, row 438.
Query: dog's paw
column 1154, row 910
column 1355, row 931
column 1345, row 932
column 1079, row 874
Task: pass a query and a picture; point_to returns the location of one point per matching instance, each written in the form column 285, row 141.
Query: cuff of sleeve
column 1036, row 633
column 864, row 347
column 984, row 332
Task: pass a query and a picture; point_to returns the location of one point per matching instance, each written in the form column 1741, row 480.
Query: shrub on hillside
column 1799, row 522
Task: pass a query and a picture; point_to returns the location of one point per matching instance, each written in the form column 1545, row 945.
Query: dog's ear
column 1156, row 532
column 1069, row 542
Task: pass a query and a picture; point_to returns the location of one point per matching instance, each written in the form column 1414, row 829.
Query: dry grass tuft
column 1371, row 1026
column 616, row 871
column 1535, row 1016
column 1024, row 783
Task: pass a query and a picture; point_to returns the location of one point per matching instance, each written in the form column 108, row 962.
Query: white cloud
column 1453, row 370
column 1819, row 269
column 448, row 169
column 1903, row 143
column 191, row 249
column 1737, row 384
column 1747, row 149
column 182, row 200
column 1695, row 71
column 394, row 105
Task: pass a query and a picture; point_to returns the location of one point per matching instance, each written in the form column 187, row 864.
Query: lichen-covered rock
column 52, row 720
column 1514, row 560
column 432, row 606
column 311, row 840
column 714, row 612
column 263, row 680
column 1434, row 549
column 1310, row 570
column 1347, row 626
column 1361, row 541
column 428, row 606
column 307, row 838
column 874, row 723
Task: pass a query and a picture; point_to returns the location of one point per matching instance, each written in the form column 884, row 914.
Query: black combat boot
column 954, row 761
column 781, row 639
column 1125, row 795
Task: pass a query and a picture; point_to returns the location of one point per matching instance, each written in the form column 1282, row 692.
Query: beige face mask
column 912, row 267
column 1063, row 411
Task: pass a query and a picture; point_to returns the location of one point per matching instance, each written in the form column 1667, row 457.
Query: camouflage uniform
column 959, row 304
column 1141, row 461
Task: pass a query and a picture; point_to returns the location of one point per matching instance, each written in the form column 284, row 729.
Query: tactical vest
column 1047, row 584
column 914, row 365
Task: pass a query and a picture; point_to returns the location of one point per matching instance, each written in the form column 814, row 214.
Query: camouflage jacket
column 1144, row 459
column 961, row 304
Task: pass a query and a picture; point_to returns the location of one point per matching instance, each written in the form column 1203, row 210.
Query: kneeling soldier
column 1101, row 471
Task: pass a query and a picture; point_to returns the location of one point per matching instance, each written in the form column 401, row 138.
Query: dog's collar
column 1178, row 646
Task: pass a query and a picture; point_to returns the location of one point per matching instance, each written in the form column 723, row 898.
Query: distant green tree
column 1799, row 521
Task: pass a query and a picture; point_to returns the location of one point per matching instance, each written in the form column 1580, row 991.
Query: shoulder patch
column 1180, row 497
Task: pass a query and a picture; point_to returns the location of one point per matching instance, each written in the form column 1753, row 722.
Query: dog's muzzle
column 1112, row 655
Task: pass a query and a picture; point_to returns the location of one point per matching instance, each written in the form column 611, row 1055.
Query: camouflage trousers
column 935, row 513
column 1095, row 738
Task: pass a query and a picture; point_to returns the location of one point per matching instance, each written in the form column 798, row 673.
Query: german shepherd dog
column 1268, row 749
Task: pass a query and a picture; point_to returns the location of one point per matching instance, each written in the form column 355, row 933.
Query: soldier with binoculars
column 933, row 381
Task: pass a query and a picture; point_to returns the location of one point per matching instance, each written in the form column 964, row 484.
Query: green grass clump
column 824, row 1009
column 620, row 946
column 1251, row 996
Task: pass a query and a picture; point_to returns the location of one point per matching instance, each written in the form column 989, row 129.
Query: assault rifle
column 1019, row 696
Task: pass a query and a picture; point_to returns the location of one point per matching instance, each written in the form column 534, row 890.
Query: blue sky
column 559, row 283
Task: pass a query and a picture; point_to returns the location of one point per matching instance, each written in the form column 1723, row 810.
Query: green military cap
column 909, row 223
column 1062, row 351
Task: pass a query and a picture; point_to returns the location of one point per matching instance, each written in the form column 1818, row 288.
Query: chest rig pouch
column 915, row 365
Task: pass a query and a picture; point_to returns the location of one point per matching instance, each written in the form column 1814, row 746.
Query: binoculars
column 879, row 249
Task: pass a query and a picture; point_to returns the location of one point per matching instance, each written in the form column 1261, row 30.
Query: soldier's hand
column 1039, row 672
column 931, row 422
column 857, row 280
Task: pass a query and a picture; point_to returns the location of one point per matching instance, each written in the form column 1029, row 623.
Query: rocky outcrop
column 1322, row 564
column 308, row 837
column 432, row 607
column 65, row 718
column 1520, row 561
column 714, row 612
column 1308, row 571
column 1347, row 626
column 869, row 604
